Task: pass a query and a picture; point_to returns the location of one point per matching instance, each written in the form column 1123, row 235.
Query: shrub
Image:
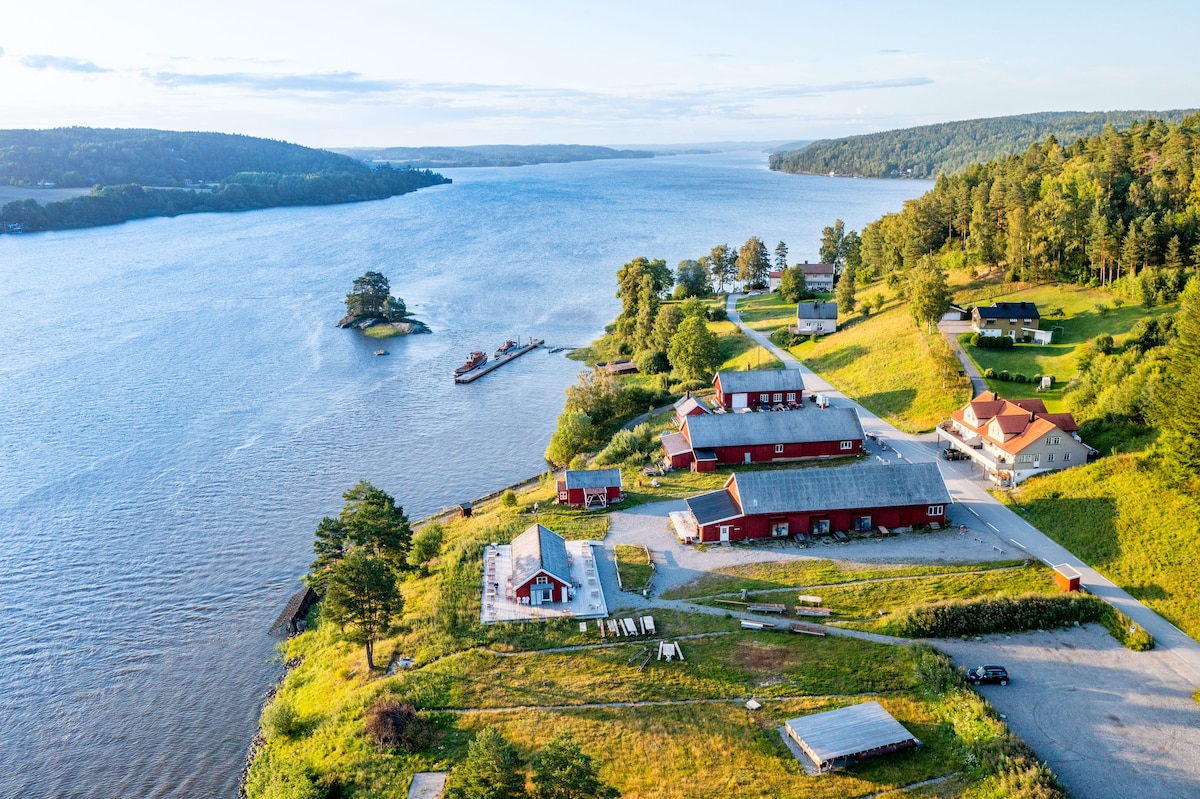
column 991, row 342
column 718, row 313
column 1020, row 378
column 989, row 373
column 280, row 720
column 1003, row 375
column 396, row 724
column 998, row 614
column 1125, row 630
column 509, row 499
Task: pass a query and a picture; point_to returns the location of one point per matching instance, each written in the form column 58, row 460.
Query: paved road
column 951, row 330
column 975, row 507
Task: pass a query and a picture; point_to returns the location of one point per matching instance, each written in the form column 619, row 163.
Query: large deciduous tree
column 361, row 596
column 691, row 280
column 1176, row 409
column 753, row 263
column 492, row 769
column 722, row 264
column 694, row 351
column 562, row 771
column 574, row 433
column 792, row 284
column 928, row 294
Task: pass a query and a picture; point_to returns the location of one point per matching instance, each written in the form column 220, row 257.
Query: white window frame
column 779, row 449
column 936, row 510
column 778, row 396
column 1049, row 457
column 847, row 445
column 542, row 580
column 764, row 399
column 1066, row 456
column 791, row 396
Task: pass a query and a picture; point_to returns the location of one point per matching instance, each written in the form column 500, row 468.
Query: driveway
column 1108, row 721
column 974, row 506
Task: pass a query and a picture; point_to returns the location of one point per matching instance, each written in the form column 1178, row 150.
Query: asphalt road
column 977, row 509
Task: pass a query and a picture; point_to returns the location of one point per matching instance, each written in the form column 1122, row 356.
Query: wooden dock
column 496, row 363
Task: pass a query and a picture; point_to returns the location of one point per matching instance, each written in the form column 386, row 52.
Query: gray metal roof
column 539, row 549
column 685, row 406
column 816, row 310
column 778, row 427
column 861, row 486
column 592, row 478
column 1009, row 310
column 675, row 444
column 712, row 507
column 848, row 731
column 762, row 380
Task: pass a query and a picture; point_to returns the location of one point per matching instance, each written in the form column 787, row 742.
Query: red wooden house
column 686, row 406
column 817, row 502
column 753, row 389
column 589, row 488
column 541, row 572
column 707, row 442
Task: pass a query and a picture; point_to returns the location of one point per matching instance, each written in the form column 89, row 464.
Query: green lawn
column 1120, row 517
column 633, row 566
column 739, row 351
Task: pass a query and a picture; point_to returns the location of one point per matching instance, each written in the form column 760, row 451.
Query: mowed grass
column 10, row 194
column 633, row 566
column 739, row 351
column 1118, row 515
column 767, row 312
column 814, row 573
column 893, row 368
column 1080, row 321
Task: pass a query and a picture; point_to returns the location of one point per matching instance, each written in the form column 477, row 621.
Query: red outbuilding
column 686, row 406
column 755, row 389
column 589, row 488
column 817, row 502
column 541, row 572
column 709, row 441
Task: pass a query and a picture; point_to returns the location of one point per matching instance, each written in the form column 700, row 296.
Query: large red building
column 817, row 501
column 589, row 488
column 709, row 441
column 752, row 389
column 540, row 570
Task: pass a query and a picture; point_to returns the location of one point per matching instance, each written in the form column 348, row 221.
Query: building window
column 1052, row 440
column 1050, row 457
column 1024, row 459
column 989, row 321
column 791, row 396
column 778, row 396
column 936, row 510
column 779, row 449
column 847, row 445
column 764, row 398
column 541, row 580
column 1066, row 456
column 862, row 523
column 779, row 529
column 1012, row 321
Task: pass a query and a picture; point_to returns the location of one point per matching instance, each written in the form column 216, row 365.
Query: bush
column 989, row 373
column 509, row 499
column 718, row 313
column 1003, row 375
column 991, row 342
column 396, row 724
column 280, row 720
column 998, row 615
column 1020, row 378
column 653, row 362
column 1123, row 628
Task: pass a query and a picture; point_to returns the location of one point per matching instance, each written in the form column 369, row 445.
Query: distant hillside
column 489, row 154
column 136, row 174
column 950, row 147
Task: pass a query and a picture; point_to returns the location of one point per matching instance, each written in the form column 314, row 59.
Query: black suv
column 993, row 674
column 954, row 455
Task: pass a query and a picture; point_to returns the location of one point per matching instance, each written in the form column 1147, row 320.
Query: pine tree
column 492, row 770
column 562, row 771
column 1176, row 409
column 845, row 291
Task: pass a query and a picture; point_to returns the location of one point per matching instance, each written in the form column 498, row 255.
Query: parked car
column 989, row 674
column 952, row 454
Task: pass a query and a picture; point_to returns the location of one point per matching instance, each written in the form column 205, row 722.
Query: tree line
column 110, row 205
column 949, row 147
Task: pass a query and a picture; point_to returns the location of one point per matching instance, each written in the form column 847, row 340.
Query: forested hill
column 490, row 154
column 143, row 173
column 950, row 147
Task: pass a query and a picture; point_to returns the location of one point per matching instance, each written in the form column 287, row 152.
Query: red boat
column 475, row 360
column 505, row 347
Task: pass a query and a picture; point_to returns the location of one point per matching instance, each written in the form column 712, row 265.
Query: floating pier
column 499, row 361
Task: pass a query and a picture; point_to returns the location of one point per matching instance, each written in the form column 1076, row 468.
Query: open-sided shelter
column 849, row 734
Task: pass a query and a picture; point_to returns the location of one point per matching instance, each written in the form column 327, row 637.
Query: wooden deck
column 496, row 363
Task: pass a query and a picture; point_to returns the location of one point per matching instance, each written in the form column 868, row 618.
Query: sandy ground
column 1108, row 721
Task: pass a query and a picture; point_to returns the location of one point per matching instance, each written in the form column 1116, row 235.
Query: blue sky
column 454, row 72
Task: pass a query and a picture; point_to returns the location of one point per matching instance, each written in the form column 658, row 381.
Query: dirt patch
column 762, row 659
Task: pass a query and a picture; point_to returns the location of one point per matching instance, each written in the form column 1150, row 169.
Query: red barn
column 818, row 502
column 686, row 406
column 707, row 442
column 540, row 570
column 752, row 389
column 589, row 488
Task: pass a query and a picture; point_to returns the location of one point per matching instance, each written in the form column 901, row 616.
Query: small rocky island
column 371, row 308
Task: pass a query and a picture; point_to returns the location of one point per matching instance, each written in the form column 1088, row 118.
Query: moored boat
column 506, row 347
column 475, row 360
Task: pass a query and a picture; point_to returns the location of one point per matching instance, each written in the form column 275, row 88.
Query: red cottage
column 707, row 442
column 686, row 406
column 590, row 488
column 817, row 502
column 540, row 571
column 751, row 389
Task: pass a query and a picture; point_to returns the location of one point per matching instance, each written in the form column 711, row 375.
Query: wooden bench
column 767, row 607
column 809, row 599
column 807, row 629
column 819, row 612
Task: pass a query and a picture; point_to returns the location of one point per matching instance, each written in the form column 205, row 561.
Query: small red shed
column 1066, row 577
column 589, row 488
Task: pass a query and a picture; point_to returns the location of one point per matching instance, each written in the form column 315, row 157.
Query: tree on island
column 371, row 298
column 361, row 595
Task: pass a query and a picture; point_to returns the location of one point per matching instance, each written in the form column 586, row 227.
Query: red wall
column 759, row 526
column 523, row 590
column 765, row 453
column 575, row 495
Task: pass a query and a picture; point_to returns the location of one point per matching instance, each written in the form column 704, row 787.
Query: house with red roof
column 1014, row 439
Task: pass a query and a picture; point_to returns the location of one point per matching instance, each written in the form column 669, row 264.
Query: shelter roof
column 713, row 507
column 849, row 731
column 866, row 485
column 1009, row 310
column 817, row 269
column 592, row 478
column 676, row 444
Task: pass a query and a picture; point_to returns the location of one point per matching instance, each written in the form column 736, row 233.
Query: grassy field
column 1080, row 321
column 633, row 566
column 1118, row 516
column 738, row 351
column 10, row 194
column 892, row 368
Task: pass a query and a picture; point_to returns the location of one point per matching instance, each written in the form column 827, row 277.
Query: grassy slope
column 1080, row 321
column 1117, row 515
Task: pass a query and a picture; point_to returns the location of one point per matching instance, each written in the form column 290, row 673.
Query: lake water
column 177, row 411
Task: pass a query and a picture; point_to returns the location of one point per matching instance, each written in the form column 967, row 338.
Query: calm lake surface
column 177, row 411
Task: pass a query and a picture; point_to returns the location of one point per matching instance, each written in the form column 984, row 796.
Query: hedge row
column 999, row 615
column 991, row 342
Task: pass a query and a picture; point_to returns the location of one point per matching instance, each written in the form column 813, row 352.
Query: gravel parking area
column 677, row 563
column 1108, row 721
